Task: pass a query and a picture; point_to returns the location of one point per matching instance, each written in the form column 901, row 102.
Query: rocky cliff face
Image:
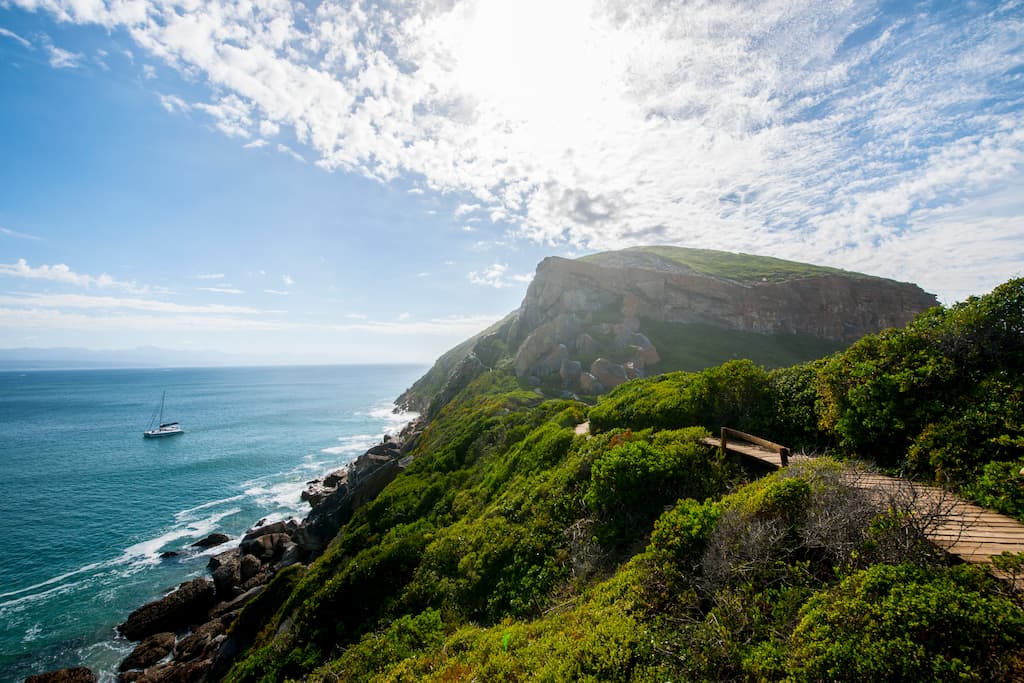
column 584, row 322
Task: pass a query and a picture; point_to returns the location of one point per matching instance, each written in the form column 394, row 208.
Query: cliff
column 587, row 325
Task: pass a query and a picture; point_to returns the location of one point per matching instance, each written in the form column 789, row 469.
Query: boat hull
column 158, row 433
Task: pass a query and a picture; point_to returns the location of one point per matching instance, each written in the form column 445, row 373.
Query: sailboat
column 163, row 428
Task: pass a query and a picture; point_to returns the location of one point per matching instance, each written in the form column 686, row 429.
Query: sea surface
column 88, row 505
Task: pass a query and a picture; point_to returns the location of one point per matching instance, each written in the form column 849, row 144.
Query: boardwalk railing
column 736, row 434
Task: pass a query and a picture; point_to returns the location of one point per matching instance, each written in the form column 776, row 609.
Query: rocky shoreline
column 187, row 635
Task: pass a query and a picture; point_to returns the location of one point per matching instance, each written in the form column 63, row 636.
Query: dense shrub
column 905, row 623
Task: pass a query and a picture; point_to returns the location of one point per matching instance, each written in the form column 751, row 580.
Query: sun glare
column 536, row 63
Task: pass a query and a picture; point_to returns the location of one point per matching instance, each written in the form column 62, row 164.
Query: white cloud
column 7, row 33
column 277, row 292
column 221, row 290
column 269, row 128
column 404, row 316
column 63, row 59
column 19, row 235
column 455, row 326
column 173, row 103
column 497, row 276
column 285, row 149
column 255, row 144
column 85, row 302
column 211, row 276
column 148, row 72
column 821, row 130
column 62, row 273
column 287, row 280
column 357, row 316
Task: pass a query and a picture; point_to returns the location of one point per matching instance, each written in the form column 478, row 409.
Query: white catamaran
column 163, row 428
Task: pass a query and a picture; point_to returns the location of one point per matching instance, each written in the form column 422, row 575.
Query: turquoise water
column 88, row 505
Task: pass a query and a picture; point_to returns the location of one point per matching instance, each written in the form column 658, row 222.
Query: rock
column 222, row 558
column 590, row 385
column 187, row 605
column 585, row 345
column 249, row 567
column 211, row 541
column 200, row 644
column 570, row 373
column 78, row 674
column 265, row 547
column 149, row 651
column 168, row 554
column 609, row 374
column 275, row 528
column 226, row 578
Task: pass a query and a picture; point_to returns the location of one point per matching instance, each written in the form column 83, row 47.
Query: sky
column 376, row 181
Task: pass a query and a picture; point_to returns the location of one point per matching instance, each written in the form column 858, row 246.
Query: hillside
column 513, row 548
column 497, row 542
column 588, row 325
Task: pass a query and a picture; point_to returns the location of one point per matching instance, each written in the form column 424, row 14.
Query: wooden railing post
column 725, row 439
column 784, row 456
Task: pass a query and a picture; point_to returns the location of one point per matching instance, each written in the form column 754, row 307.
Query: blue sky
column 377, row 181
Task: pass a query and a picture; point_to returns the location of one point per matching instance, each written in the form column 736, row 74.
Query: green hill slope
column 513, row 548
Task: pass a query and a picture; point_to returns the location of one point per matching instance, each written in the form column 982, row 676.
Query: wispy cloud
column 287, row 280
column 285, row 149
column 63, row 59
column 221, row 290
column 62, row 273
column 497, row 276
column 255, row 144
column 277, row 292
column 7, row 33
column 456, row 326
column 108, row 303
column 173, row 103
column 20, row 235
column 211, row 276
column 815, row 130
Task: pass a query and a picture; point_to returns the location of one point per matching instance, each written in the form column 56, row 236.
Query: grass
column 744, row 268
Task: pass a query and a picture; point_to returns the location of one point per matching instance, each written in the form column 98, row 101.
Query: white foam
column 186, row 514
column 148, row 550
column 32, row 633
column 56, row 579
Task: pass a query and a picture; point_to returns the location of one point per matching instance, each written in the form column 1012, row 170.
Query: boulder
column 212, row 541
column 149, row 651
column 266, row 547
column 570, row 373
column 275, row 528
column 187, row 605
column 249, row 566
column 222, row 558
column 586, row 345
column 201, row 643
column 590, row 385
column 78, row 674
column 226, row 577
column 608, row 373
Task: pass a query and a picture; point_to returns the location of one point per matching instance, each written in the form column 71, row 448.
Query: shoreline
column 184, row 634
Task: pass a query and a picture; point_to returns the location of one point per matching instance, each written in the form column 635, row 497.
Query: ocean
column 89, row 505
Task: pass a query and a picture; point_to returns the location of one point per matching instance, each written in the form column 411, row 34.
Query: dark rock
column 149, row 651
column 222, row 558
column 249, row 567
column 201, row 643
column 609, row 374
column 187, row 605
column 173, row 672
column 590, row 385
column 211, row 541
column 226, row 578
column 266, row 547
column 275, row 528
column 78, row 674
column 168, row 554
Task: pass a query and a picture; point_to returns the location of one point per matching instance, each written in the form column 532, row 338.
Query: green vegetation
column 695, row 346
column 744, row 268
column 514, row 549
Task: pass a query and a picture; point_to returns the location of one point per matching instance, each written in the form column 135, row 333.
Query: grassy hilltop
column 515, row 549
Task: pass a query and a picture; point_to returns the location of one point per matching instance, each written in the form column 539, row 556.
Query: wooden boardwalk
column 962, row 529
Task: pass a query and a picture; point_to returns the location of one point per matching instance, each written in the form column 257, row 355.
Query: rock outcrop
column 575, row 311
column 193, row 621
